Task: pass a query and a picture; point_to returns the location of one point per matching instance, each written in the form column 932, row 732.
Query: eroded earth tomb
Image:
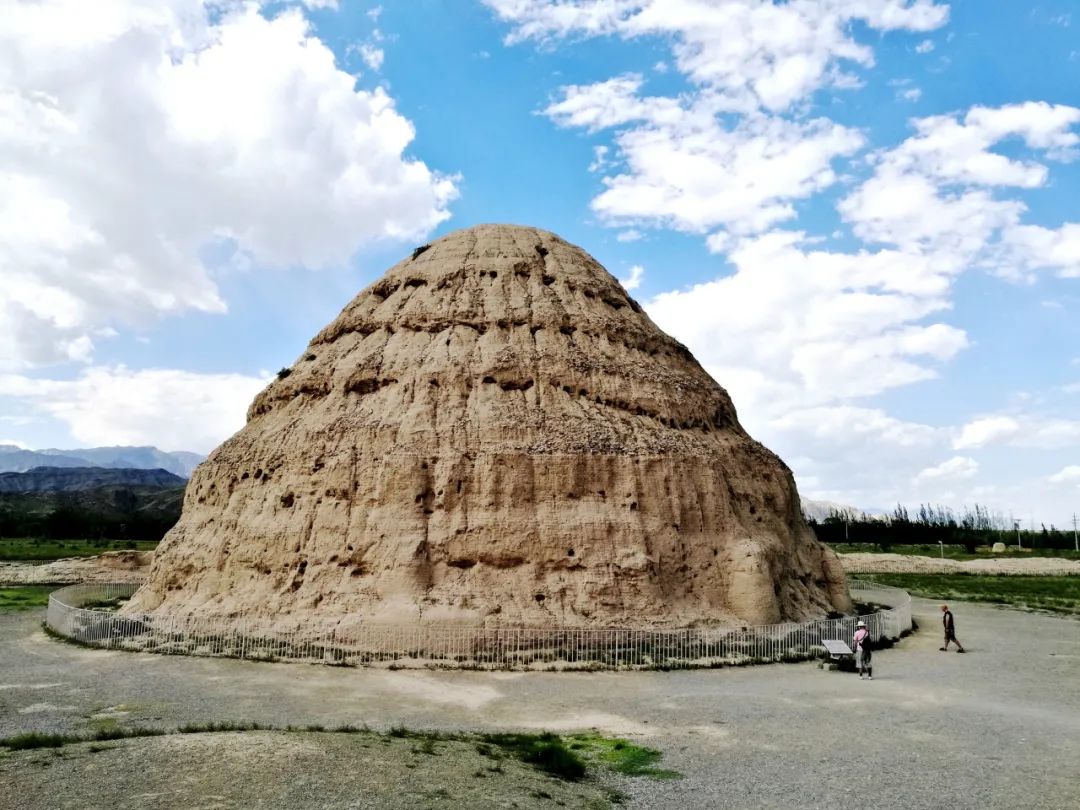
column 494, row 433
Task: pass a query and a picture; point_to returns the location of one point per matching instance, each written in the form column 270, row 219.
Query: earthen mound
column 494, row 432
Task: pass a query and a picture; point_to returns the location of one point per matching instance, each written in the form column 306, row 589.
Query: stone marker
column 998, row 548
column 494, row 432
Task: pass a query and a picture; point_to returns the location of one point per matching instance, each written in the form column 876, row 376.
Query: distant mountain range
column 80, row 479
column 181, row 463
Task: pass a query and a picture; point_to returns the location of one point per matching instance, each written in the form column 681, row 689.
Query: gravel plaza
column 996, row 728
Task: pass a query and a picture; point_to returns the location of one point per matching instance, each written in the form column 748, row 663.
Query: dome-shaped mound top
column 494, row 431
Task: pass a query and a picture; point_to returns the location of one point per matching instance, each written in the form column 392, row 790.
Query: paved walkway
column 996, row 728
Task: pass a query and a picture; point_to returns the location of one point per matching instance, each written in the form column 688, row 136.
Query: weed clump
column 546, row 752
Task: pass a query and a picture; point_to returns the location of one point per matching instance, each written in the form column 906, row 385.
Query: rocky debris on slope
column 864, row 563
column 112, row 566
column 494, row 432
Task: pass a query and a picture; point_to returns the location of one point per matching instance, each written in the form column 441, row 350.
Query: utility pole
column 1076, row 543
column 1019, row 545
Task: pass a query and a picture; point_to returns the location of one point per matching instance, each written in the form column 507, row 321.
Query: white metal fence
column 86, row 614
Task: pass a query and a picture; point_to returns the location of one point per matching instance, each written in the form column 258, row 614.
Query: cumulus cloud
column 1031, row 430
column 782, row 53
column 633, row 281
column 372, row 55
column 688, row 169
column 133, row 136
column 957, row 467
column 937, row 193
column 1068, row 475
column 165, row 407
column 688, row 165
column 795, row 324
column 988, row 430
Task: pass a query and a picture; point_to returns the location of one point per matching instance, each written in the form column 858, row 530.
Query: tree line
column 105, row 514
column 929, row 525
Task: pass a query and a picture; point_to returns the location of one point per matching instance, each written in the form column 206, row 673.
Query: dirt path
column 995, row 729
column 112, row 566
column 865, row 563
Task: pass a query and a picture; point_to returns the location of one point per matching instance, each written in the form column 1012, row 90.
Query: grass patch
column 621, row 756
column 25, row 597
column 1056, row 594
column 36, row 549
column 34, row 739
column 567, row 758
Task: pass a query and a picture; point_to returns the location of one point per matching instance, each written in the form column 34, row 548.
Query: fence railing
column 86, row 614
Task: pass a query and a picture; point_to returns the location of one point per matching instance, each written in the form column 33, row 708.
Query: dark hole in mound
column 569, row 552
column 287, row 499
column 543, row 251
column 462, row 563
column 539, row 597
column 417, row 251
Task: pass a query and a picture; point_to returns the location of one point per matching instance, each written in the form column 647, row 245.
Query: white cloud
column 957, row 467
column 911, row 94
column 633, row 281
column 688, row 165
column 1027, row 248
column 135, row 135
column 1068, row 475
column 781, row 53
column 1031, row 430
column 687, row 170
column 800, row 325
column 925, row 46
column 172, row 409
column 629, row 235
column 988, row 430
column 936, row 192
column 599, row 160
column 317, row 4
column 372, row 55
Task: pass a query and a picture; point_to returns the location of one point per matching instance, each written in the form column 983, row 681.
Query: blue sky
column 861, row 216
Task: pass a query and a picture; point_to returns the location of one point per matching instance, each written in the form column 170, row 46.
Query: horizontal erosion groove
column 675, row 423
column 651, row 348
column 370, row 385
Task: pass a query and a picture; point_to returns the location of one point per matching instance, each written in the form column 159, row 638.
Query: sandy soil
column 863, row 563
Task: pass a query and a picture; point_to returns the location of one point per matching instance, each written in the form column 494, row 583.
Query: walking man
column 862, row 651
column 950, row 630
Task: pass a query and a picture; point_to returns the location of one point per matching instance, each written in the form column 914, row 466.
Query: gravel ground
column 871, row 563
column 278, row 770
column 997, row 728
